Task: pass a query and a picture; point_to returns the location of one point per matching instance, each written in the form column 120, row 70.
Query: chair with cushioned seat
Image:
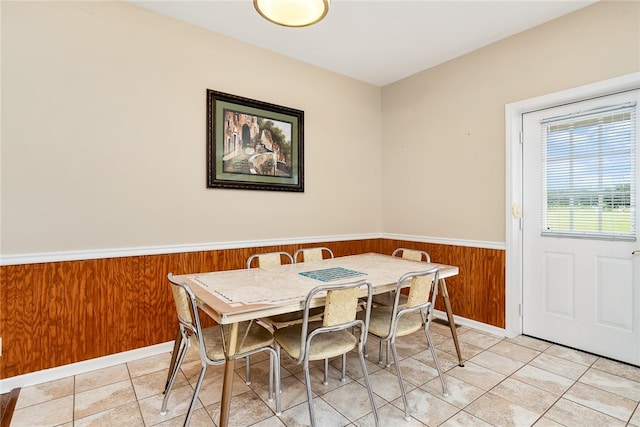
column 401, row 319
column 333, row 336
column 212, row 342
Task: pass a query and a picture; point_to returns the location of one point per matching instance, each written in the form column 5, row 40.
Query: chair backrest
column 412, row 254
column 269, row 259
column 341, row 307
column 422, row 291
column 312, row 254
column 187, row 311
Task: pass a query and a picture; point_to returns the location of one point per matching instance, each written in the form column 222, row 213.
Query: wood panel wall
column 54, row 314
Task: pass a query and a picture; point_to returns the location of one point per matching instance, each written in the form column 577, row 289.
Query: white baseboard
column 47, row 375
column 493, row 330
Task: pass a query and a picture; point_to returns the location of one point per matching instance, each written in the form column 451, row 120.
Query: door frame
column 514, row 179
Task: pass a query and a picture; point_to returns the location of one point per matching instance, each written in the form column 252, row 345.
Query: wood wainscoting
column 58, row 313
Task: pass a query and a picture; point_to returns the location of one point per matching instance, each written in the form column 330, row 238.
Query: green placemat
column 331, row 274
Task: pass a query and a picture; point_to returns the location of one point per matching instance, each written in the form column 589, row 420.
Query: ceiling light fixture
column 292, row 13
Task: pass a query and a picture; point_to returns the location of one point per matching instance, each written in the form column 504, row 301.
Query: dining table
column 234, row 296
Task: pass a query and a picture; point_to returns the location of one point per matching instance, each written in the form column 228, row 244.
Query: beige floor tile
column 294, row 392
column 530, row 342
column 501, row 412
column 496, row 362
column 326, row 415
column 270, row 422
column 352, row 400
column 427, row 408
column 635, row 418
column 544, row 380
column 525, row 395
column 415, row 372
column 125, row 415
column 102, row 398
column 612, row 383
column 547, row 422
column 460, row 393
column 600, row 400
column 464, row 419
column 559, row 366
column 149, row 364
column 98, row 378
column 446, row 360
column 199, row 418
column 571, row 354
column 388, row 415
column 178, row 404
column 385, row 384
column 246, row 409
column 479, row 339
column 515, row 351
column 477, row 375
column 45, row 392
column 154, row 383
column 616, row 368
column 570, row 413
column 45, row 414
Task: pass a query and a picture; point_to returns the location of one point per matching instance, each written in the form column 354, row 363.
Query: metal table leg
column 227, row 385
column 452, row 323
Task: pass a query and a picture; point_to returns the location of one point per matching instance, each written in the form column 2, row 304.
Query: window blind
column 589, row 173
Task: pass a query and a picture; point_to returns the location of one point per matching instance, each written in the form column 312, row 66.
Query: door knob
column 637, row 251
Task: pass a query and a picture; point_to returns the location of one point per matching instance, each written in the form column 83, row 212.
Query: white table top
column 238, row 295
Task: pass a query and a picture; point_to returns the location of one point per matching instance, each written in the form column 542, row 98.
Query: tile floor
column 505, row 382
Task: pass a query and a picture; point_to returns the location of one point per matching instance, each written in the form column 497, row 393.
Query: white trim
column 446, row 241
column 463, row 321
column 47, row 375
column 35, row 258
column 169, row 249
column 513, row 170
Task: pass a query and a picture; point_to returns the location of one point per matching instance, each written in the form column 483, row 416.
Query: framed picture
column 253, row 145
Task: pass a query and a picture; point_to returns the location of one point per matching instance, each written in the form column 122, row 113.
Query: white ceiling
column 374, row 41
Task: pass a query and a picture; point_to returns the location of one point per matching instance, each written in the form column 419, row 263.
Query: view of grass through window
column 589, row 173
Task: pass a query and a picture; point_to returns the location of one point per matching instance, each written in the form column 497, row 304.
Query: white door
column 581, row 281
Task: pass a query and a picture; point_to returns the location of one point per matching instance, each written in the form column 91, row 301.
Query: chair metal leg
column 180, row 353
column 194, row 399
column 344, row 368
column 307, row 380
column 445, row 390
column 326, row 372
column 174, row 355
column 365, row 374
column 407, row 414
column 248, row 368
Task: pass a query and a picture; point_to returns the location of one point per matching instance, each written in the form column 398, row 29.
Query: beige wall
column 444, row 128
column 104, row 134
column 104, row 130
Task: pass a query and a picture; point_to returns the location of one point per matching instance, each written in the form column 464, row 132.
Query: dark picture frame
column 253, row 145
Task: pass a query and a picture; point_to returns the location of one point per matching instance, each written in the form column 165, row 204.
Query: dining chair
column 422, row 256
column 269, row 259
column 212, row 345
column 312, row 254
column 333, row 336
column 390, row 322
column 410, row 254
